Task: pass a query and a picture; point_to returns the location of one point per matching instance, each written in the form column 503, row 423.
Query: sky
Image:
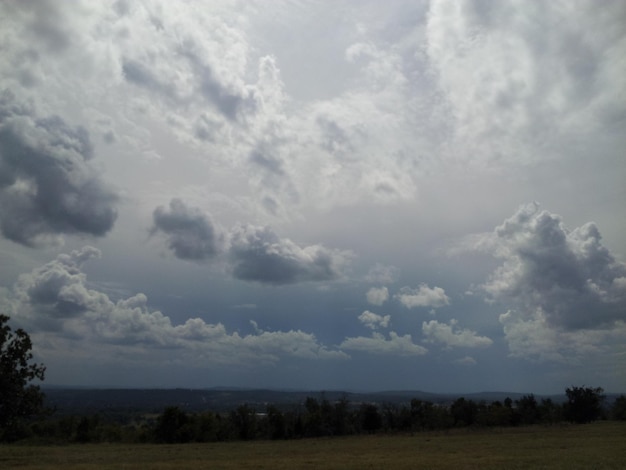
column 328, row 195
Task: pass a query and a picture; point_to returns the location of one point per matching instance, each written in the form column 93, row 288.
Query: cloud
column 565, row 293
column 258, row 254
column 382, row 274
column 423, row 296
column 466, row 361
column 377, row 344
column 47, row 184
column 377, row 295
column 191, row 234
column 537, row 74
column 374, row 321
column 55, row 298
column 58, row 287
column 254, row 253
column 530, row 336
column 575, row 281
column 452, row 337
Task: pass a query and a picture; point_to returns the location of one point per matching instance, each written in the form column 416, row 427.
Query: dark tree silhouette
column 171, row 425
column 618, row 411
column 371, row 421
column 18, row 398
column 584, row 404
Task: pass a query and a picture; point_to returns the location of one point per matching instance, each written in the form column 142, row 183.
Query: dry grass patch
column 600, row 445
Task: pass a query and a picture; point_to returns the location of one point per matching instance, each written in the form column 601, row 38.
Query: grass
column 600, row 445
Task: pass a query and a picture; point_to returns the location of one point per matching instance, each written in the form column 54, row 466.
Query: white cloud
column 564, row 291
column 569, row 275
column 466, row 361
column 55, row 298
column 378, row 344
column 382, row 274
column 530, row 336
column 377, row 295
column 423, row 296
column 453, row 337
column 514, row 73
column 373, row 320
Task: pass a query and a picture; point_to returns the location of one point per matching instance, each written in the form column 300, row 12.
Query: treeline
column 318, row 417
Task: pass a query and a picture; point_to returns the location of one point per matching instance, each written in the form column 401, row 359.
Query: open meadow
column 600, row 445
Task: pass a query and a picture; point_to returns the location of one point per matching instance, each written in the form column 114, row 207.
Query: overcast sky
column 355, row 195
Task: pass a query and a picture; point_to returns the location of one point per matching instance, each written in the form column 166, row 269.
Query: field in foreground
column 601, row 445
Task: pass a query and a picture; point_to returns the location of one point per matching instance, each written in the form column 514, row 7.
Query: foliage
column 18, row 398
column 317, row 418
column 584, row 404
column 618, row 411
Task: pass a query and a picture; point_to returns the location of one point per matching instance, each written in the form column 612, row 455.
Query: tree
column 527, row 409
column 171, row 426
column 18, row 398
column 618, row 411
column 371, row 421
column 245, row 422
column 584, row 404
column 275, row 423
column 463, row 412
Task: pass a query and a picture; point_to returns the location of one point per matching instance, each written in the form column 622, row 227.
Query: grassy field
column 599, row 445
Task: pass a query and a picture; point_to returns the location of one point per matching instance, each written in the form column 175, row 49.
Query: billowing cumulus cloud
column 453, row 337
column 258, row 254
column 377, row 295
column 373, row 320
column 423, row 296
column 191, row 234
column 575, row 280
column 565, row 292
column 58, row 287
column 55, row 297
column 47, row 184
column 379, row 344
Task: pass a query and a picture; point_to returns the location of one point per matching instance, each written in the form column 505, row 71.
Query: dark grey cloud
column 230, row 102
column 142, row 75
column 334, row 139
column 47, row 185
column 569, row 276
column 258, row 254
column 227, row 102
column 45, row 22
column 255, row 253
column 191, row 234
column 270, row 164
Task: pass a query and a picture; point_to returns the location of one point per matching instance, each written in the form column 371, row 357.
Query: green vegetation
column 598, row 445
column 18, row 398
